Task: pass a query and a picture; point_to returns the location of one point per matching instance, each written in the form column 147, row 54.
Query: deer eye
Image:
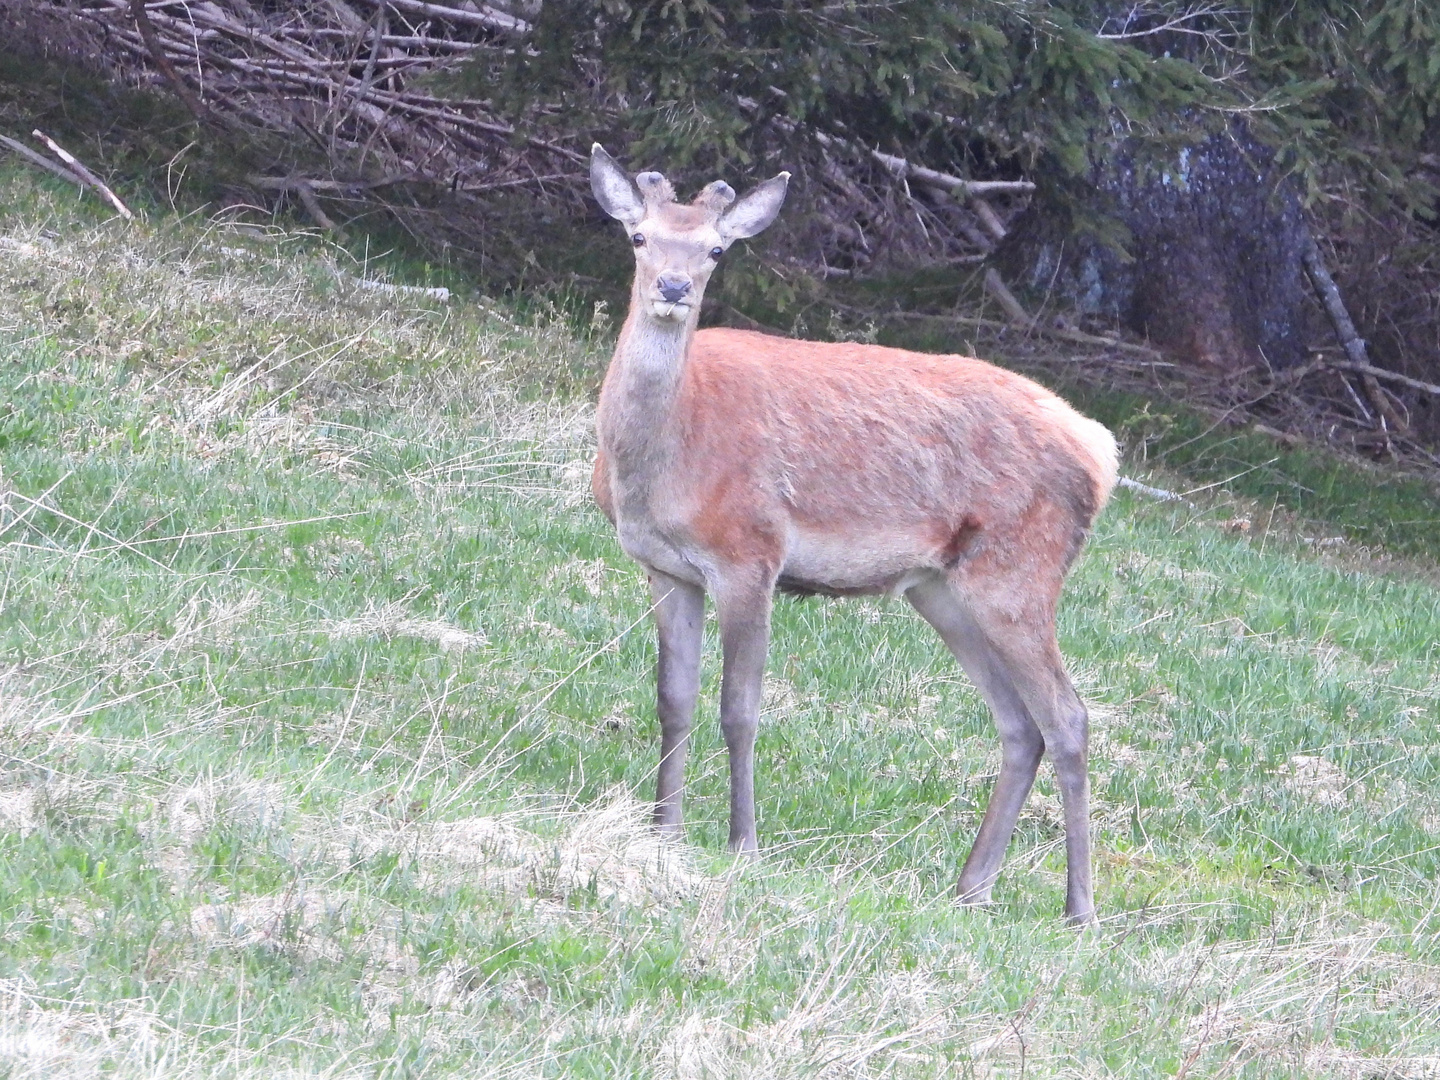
column 638, row 240
column 716, row 252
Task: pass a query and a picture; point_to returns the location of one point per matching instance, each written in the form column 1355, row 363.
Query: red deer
column 736, row 463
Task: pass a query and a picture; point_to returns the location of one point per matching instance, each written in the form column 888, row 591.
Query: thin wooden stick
column 84, row 174
column 1350, row 339
column 1381, row 373
column 486, row 16
column 1153, row 492
column 956, row 185
column 157, row 53
column 972, row 191
column 43, row 162
column 997, row 288
column 991, row 220
column 286, row 183
column 312, row 206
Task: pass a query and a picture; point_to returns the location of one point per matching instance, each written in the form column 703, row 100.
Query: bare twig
column 988, row 218
column 1366, row 369
column 85, row 174
column 290, row 183
column 956, row 185
column 1350, row 339
column 428, row 292
column 1161, row 494
column 306, row 194
column 157, row 53
column 475, row 15
column 971, row 191
column 1173, row 24
column 996, row 287
column 1018, row 316
column 43, row 162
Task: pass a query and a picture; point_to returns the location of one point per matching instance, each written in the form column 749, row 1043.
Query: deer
column 735, row 463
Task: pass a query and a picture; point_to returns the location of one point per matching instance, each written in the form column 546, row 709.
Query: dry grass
column 391, row 620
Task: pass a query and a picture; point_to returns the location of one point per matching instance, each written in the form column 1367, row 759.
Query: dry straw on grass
column 608, row 850
column 394, row 620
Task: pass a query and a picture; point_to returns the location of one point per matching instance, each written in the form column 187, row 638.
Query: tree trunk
column 1211, row 268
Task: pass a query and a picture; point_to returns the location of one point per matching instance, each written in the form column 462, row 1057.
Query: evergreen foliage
column 997, row 86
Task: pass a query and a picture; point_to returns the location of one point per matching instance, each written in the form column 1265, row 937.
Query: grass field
column 326, row 730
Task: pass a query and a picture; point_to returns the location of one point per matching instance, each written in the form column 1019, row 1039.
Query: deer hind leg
column 743, row 609
column 1018, row 670
column 1021, row 742
column 1038, row 674
column 680, row 620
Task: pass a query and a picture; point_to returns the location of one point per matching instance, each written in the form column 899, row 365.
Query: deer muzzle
column 673, row 288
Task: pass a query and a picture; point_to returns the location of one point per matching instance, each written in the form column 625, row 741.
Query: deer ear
column 755, row 210
column 614, row 191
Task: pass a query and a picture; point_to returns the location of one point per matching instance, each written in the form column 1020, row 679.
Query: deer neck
column 637, row 423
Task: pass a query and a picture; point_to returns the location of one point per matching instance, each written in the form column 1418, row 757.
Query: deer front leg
column 680, row 620
column 744, row 615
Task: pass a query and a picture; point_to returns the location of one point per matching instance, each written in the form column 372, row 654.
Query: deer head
column 678, row 245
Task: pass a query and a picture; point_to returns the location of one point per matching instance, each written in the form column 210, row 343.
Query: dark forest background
column 1198, row 198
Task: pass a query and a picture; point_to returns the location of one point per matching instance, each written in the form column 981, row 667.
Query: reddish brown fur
column 843, row 437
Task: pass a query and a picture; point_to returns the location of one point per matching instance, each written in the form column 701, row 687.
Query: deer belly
column 855, row 565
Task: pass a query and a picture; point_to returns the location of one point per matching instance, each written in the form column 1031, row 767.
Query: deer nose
column 673, row 287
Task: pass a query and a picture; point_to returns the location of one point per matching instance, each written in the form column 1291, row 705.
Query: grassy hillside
column 325, row 734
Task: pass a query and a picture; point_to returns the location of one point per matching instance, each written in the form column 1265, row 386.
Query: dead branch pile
column 339, row 73
column 354, row 82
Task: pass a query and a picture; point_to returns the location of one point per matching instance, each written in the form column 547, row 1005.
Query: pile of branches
column 340, row 75
column 362, row 86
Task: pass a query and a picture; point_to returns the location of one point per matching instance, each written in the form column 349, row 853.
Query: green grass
column 1368, row 504
column 325, row 706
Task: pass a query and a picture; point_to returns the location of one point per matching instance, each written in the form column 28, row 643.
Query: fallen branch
column 1289, row 438
column 157, row 53
column 84, row 174
column 43, row 162
column 1153, row 492
column 988, row 218
column 970, row 191
column 292, row 183
column 1350, row 339
column 433, row 292
column 1293, row 375
column 1079, row 337
column 479, row 15
column 958, row 186
column 997, row 288
column 306, row 195
column 400, row 41
column 1334, row 304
